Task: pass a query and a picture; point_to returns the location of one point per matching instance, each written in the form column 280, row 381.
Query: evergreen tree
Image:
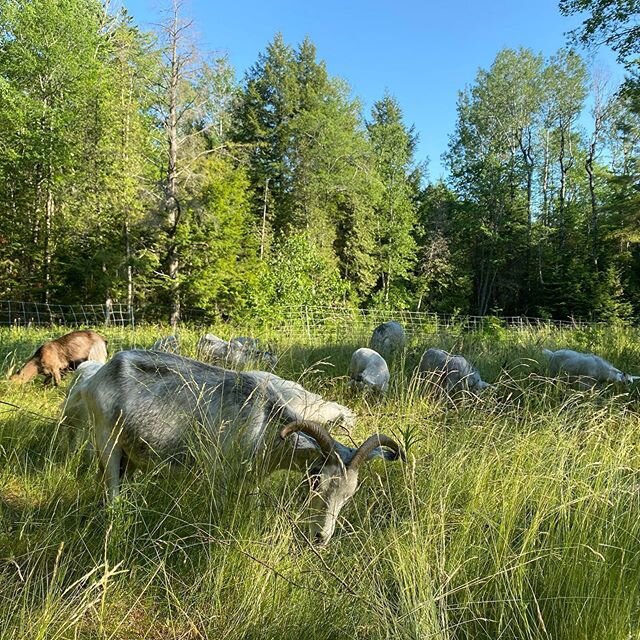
column 309, row 162
column 393, row 146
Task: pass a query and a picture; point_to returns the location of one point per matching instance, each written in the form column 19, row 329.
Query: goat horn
column 371, row 443
column 313, row 429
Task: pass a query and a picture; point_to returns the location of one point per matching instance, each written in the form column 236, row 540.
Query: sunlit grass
column 516, row 516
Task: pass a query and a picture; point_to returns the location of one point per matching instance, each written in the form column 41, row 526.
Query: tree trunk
column 48, row 225
column 564, row 168
column 127, row 250
column 545, row 203
column 264, row 219
column 527, row 154
column 172, row 205
column 593, row 222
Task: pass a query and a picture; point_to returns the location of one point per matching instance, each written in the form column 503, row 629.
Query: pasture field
column 516, row 516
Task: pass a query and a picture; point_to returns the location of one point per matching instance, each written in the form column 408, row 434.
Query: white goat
column 388, row 339
column 235, row 353
column 453, row 372
column 169, row 344
column 74, row 407
column 585, row 365
column 369, row 370
column 150, row 406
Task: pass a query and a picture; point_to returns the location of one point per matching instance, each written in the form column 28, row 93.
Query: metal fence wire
column 333, row 323
column 26, row 314
column 327, row 322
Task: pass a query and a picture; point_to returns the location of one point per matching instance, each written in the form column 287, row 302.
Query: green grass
column 516, row 516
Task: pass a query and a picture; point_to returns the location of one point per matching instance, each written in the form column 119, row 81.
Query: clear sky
column 422, row 52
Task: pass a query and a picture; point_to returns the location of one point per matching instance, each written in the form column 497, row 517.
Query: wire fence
column 314, row 321
column 38, row 314
column 336, row 322
column 27, row 314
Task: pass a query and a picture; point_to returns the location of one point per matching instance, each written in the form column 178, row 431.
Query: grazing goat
column 55, row 357
column 303, row 404
column 168, row 344
column 253, row 350
column 388, row 339
column 247, row 342
column 369, row 370
column 235, row 353
column 150, row 406
column 585, row 365
column 452, row 372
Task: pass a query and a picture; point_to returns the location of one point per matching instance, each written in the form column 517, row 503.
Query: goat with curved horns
column 149, row 406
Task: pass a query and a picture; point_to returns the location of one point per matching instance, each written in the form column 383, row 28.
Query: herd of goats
column 146, row 406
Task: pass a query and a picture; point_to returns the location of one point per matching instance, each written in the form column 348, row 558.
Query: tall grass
column 516, row 515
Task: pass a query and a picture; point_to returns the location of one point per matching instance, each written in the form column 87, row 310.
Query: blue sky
column 423, row 53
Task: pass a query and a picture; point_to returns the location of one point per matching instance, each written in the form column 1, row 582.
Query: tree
column 216, row 240
column 75, row 147
column 610, row 22
column 393, row 147
column 263, row 114
column 298, row 275
column 614, row 23
column 112, row 191
column 191, row 99
column 49, row 57
column 309, row 162
column 490, row 157
column 443, row 275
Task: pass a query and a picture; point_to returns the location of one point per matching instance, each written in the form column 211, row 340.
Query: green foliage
column 393, row 146
column 216, row 241
column 536, row 230
column 537, row 216
column 611, row 22
column 309, row 160
column 443, row 275
column 298, row 275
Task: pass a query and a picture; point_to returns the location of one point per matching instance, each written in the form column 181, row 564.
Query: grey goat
column 453, row 372
column 304, row 404
column 388, row 339
column 168, row 344
column 369, row 370
column 585, row 365
column 148, row 406
column 234, row 353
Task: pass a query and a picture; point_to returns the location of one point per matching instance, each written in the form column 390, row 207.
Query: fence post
column 108, row 310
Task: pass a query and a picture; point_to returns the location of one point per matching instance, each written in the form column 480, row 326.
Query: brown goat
column 56, row 357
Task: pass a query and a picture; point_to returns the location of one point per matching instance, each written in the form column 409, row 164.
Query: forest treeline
column 135, row 168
